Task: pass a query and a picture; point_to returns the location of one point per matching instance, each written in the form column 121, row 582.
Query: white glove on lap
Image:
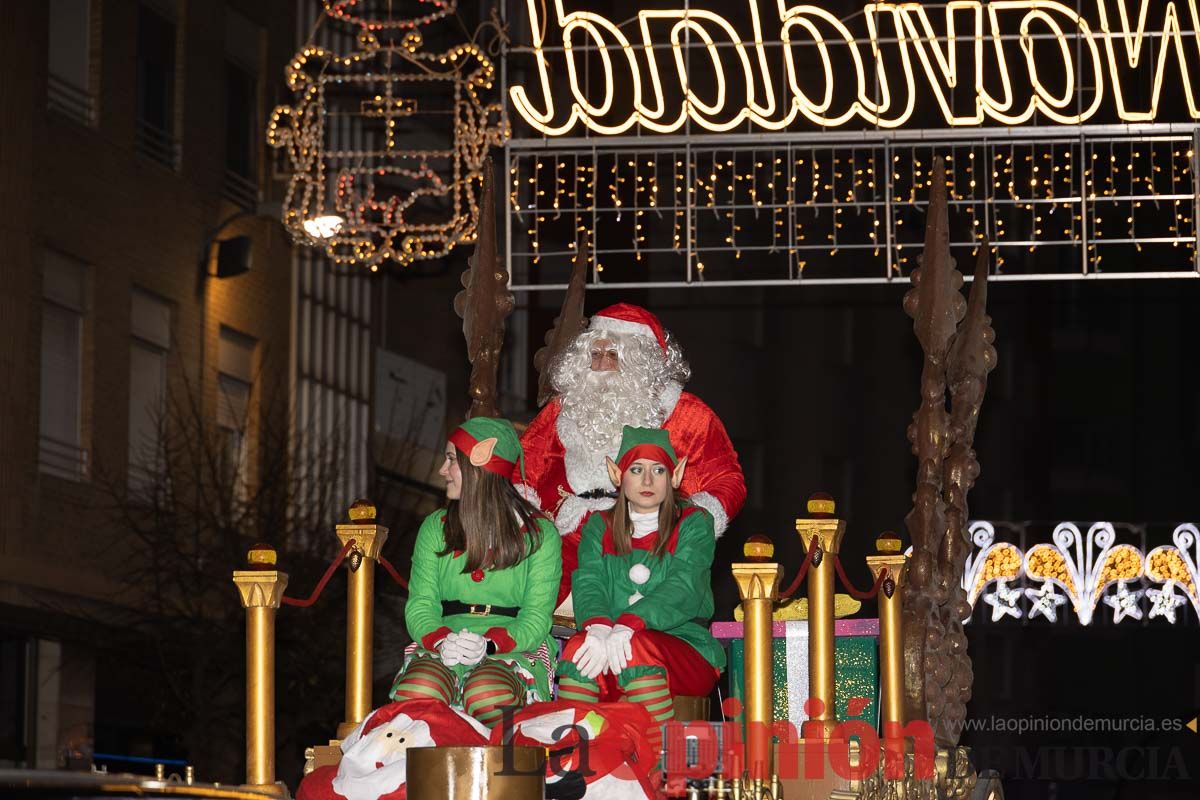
column 471, row 646
column 619, row 648
column 450, row 651
column 591, row 658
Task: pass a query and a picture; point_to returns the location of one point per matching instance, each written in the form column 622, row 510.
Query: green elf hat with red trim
column 490, row 443
column 651, row 443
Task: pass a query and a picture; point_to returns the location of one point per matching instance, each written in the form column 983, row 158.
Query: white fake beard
column 604, row 402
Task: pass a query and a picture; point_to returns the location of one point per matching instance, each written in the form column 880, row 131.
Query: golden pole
column 360, row 610
column 828, row 532
column 758, row 584
column 261, row 588
column 891, row 603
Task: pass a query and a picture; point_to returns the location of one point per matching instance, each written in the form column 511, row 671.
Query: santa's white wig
column 601, row 403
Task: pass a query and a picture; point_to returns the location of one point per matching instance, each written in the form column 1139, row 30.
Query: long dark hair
column 489, row 507
column 621, row 523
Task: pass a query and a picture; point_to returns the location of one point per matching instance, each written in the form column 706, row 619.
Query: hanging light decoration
column 387, row 142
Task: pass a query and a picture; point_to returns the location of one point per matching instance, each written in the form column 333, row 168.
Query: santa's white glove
column 619, row 648
column 591, row 658
column 450, row 651
column 471, row 646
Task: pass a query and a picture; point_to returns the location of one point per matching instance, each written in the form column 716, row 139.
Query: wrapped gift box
column 856, row 666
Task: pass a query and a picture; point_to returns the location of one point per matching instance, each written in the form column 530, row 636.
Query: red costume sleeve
column 537, row 441
column 712, row 468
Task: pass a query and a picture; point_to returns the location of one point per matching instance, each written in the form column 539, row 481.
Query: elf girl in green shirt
column 642, row 591
column 485, row 575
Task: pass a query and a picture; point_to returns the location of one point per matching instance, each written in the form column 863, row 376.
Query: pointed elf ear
column 614, row 472
column 481, row 453
column 677, row 475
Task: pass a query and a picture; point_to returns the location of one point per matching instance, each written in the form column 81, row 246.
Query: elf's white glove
column 471, row 646
column 450, row 651
column 591, row 658
column 619, row 648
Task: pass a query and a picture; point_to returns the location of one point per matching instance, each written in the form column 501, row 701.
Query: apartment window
column 150, row 341
column 69, row 84
column 242, row 128
column 156, row 85
column 60, row 441
column 235, row 365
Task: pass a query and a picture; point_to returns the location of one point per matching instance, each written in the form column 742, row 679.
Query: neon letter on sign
column 1009, row 87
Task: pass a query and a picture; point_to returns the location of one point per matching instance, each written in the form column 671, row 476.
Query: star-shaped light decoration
column 1164, row 601
column 1125, row 603
column 1003, row 601
column 1045, row 601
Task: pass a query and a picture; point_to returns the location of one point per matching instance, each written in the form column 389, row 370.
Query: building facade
column 132, row 144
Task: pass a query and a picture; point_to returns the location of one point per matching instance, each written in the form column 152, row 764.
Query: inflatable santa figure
column 374, row 764
column 623, row 370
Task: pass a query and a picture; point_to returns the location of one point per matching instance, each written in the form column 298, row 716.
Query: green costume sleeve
column 591, row 590
column 423, row 612
column 679, row 597
column 543, row 573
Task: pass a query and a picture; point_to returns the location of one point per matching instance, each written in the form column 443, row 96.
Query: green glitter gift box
column 856, row 666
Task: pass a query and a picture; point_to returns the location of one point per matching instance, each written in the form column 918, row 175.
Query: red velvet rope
column 791, row 590
column 854, row 591
column 333, row 565
column 396, row 576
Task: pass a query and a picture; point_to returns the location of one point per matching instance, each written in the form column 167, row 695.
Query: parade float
column 821, row 707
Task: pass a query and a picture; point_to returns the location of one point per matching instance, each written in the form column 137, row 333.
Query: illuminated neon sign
column 1066, row 68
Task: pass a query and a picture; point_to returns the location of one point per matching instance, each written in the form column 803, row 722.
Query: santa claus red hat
column 627, row 318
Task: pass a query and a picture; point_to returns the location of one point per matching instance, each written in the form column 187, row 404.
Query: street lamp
column 325, row 226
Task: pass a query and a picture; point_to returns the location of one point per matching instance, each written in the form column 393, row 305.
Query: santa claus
column 623, row 370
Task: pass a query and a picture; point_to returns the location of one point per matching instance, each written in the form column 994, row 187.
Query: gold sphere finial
column 363, row 510
column 758, row 548
column 821, row 505
column 261, row 556
column 888, row 543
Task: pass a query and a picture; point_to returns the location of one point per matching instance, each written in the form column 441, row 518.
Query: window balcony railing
column 155, row 143
column 62, row 459
column 240, row 190
column 71, row 101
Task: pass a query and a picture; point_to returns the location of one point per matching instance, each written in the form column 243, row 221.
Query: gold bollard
column 828, row 532
column 261, row 588
column 360, row 609
column 758, row 584
column 890, row 556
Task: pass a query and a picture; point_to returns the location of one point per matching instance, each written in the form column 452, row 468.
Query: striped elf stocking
column 572, row 685
column 578, row 688
column 424, row 679
column 647, row 686
column 489, row 689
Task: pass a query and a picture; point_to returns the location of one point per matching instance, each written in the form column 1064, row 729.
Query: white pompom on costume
column 639, row 574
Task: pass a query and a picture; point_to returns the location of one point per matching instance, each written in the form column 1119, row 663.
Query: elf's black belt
column 452, row 607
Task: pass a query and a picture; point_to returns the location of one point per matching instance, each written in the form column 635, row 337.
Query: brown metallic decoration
column 484, row 304
column 956, row 337
column 569, row 323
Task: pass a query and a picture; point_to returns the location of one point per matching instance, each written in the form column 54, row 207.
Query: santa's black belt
column 452, row 607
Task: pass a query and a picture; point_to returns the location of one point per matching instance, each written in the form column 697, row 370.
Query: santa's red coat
column 559, row 465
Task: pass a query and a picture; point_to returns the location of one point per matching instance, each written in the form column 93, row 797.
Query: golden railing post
column 828, row 532
column 891, row 641
column 261, row 588
column 360, row 609
column 758, row 584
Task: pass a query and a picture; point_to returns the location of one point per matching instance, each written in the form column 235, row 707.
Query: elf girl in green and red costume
column 643, row 595
column 485, row 575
